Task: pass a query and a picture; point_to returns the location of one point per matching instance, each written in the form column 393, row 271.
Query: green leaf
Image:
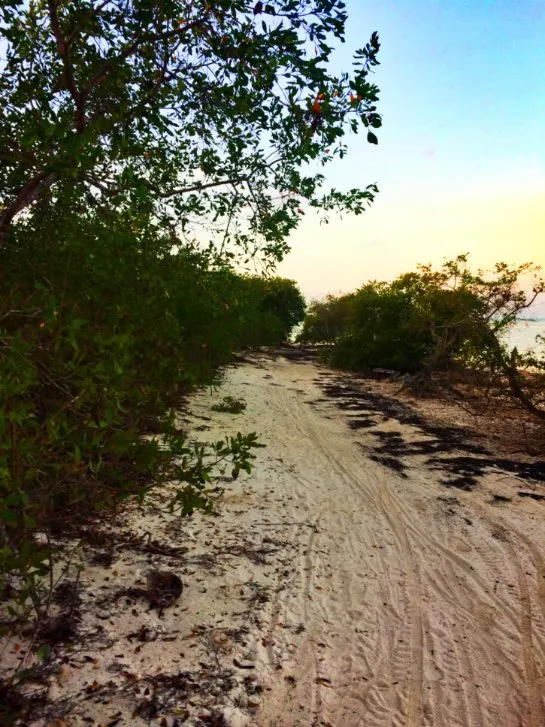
column 371, row 138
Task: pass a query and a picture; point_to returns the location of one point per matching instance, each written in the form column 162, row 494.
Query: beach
column 377, row 567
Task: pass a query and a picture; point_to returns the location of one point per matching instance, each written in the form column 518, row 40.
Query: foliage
column 436, row 320
column 386, row 330
column 206, row 113
column 378, row 326
column 231, row 405
column 326, row 320
column 94, row 347
column 144, row 146
column 282, row 299
column 281, row 307
column 192, row 469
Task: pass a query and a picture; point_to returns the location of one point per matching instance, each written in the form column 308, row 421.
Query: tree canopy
column 145, row 146
column 216, row 116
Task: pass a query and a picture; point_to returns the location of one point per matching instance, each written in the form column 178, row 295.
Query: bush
column 111, row 164
column 230, row 405
column 384, row 331
column 436, row 320
column 96, row 343
column 281, row 299
column 326, row 321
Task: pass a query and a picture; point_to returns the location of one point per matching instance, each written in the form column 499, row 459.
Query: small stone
column 181, row 712
column 63, row 674
column 163, row 588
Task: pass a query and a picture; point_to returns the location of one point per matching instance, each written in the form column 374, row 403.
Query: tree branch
column 25, row 197
column 113, row 191
column 64, row 52
column 133, row 47
column 92, row 12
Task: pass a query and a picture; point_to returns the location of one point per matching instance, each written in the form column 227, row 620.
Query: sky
column 461, row 157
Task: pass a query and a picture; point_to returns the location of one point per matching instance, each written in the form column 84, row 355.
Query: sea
column 523, row 334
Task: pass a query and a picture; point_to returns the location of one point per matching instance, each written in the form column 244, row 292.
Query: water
column 523, row 334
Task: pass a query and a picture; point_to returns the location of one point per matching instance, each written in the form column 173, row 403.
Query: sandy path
column 343, row 584
column 405, row 603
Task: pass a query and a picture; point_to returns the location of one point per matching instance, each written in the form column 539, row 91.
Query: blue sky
column 462, row 89
column 461, row 156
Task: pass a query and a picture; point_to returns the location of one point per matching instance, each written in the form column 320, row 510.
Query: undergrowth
column 230, row 405
column 97, row 343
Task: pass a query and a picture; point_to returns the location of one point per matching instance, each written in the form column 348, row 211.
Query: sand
column 350, row 581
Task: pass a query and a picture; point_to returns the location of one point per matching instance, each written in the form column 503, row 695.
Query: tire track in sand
column 413, row 662
column 414, row 696
column 416, row 630
column 533, row 682
column 536, row 713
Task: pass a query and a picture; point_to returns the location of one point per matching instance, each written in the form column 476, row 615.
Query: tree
column 133, row 133
column 283, row 299
column 384, row 329
column 205, row 112
column 326, row 320
column 432, row 321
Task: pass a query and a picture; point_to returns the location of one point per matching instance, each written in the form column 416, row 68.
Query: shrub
column 128, row 132
column 230, row 405
column 282, row 299
column 96, row 343
column 384, row 331
column 326, row 321
column 436, row 320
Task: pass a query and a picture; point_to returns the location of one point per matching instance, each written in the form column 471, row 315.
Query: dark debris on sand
column 450, row 450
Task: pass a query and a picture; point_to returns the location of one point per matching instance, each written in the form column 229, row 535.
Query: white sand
column 377, row 602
